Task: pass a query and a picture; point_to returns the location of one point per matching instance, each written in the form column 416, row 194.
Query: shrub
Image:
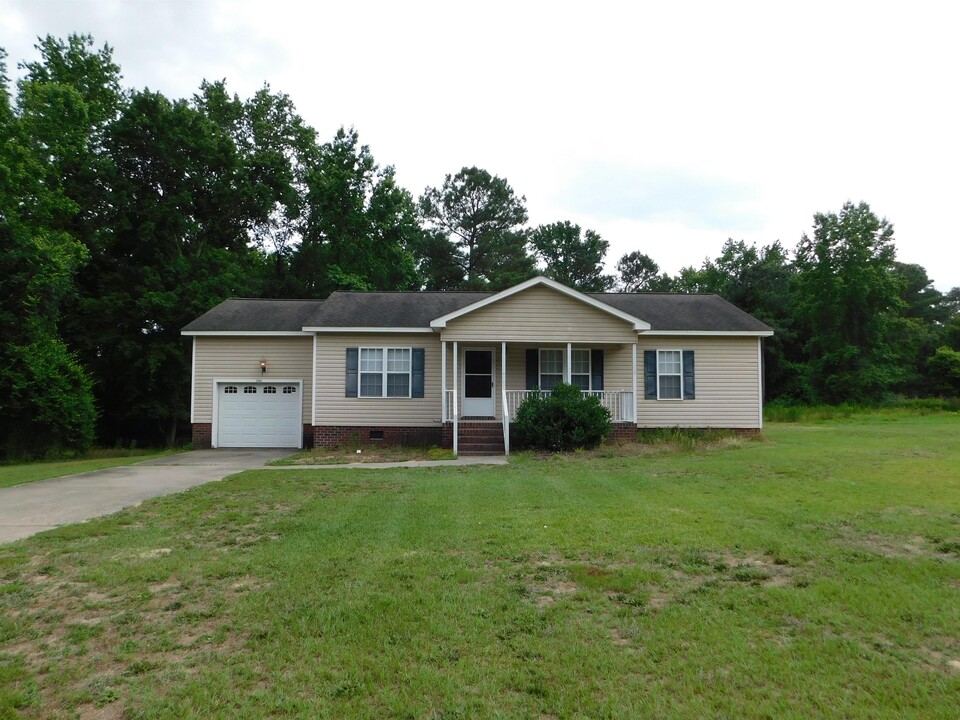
column 565, row 419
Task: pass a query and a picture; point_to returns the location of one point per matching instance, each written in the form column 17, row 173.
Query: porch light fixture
column 263, row 367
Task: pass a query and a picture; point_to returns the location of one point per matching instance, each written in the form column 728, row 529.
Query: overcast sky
column 666, row 127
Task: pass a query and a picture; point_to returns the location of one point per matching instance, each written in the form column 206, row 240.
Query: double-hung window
column 551, row 368
column 384, row 372
column 669, row 375
column 580, row 368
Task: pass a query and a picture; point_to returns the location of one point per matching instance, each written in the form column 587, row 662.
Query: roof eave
column 638, row 324
column 709, row 333
column 245, row 333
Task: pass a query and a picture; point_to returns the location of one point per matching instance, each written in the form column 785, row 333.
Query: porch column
column 503, row 377
column 456, row 400
column 634, row 349
column 568, row 369
column 443, row 381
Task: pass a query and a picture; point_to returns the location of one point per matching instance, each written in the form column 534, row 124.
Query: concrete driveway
column 34, row 507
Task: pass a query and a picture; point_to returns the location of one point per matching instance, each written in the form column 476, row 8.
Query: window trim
column 563, row 365
column 589, row 373
column 680, row 374
column 384, row 373
column 540, row 372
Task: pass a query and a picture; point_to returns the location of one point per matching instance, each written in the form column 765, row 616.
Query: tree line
column 125, row 214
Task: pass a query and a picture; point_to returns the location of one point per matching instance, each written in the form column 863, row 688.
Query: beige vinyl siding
column 727, row 384
column 238, row 358
column 334, row 408
column 542, row 314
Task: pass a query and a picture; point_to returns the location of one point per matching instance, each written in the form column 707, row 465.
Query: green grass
column 776, row 412
column 814, row 574
column 16, row 474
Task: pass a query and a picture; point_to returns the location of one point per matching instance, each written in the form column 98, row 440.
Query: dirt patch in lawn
column 366, row 454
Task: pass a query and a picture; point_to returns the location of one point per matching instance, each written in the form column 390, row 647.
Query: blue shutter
column 353, row 362
column 689, row 388
column 650, row 374
column 416, row 377
column 596, row 369
column 533, row 368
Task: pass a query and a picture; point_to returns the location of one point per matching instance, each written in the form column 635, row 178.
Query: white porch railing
column 447, row 405
column 618, row 402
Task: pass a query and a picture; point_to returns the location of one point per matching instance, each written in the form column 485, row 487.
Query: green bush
column 565, row 419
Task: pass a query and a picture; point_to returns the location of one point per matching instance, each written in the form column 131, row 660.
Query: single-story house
column 451, row 368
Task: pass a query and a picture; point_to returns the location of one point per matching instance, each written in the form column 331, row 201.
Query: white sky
column 666, row 127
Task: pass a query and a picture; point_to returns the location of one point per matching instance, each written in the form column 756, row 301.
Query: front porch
column 483, row 386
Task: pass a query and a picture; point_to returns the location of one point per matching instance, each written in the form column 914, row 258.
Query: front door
column 478, row 383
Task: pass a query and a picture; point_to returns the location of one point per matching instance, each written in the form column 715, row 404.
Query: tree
column 46, row 401
column 177, row 243
column 481, row 219
column 639, row 273
column 276, row 151
column 944, row 367
column 361, row 228
column 848, row 294
column 572, row 258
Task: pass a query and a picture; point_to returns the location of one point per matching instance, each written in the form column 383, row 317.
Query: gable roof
column 658, row 313
column 638, row 324
column 254, row 317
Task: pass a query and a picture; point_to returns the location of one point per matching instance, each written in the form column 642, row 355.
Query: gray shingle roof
column 250, row 315
column 390, row 309
column 705, row 313
column 684, row 312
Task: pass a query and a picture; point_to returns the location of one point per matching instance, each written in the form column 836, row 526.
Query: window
column 250, row 390
column 545, row 367
column 580, row 369
column 230, row 390
column 289, row 389
column 270, row 390
column 384, row 372
column 669, row 375
column 551, row 368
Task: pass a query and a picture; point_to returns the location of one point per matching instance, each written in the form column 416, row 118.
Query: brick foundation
column 201, row 433
column 623, row 432
column 203, row 436
column 328, row 436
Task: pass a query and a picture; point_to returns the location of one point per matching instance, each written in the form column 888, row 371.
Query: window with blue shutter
column 669, row 375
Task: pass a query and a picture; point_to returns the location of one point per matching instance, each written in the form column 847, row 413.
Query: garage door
column 258, row 415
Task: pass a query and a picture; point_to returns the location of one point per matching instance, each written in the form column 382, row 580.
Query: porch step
column 481, row 439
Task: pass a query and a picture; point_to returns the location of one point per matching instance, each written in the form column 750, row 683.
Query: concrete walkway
column 471, row 460
column 37, row 506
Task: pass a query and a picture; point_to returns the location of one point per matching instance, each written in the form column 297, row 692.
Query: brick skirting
column 201, row 435
column 328, row 436
column 623, row 432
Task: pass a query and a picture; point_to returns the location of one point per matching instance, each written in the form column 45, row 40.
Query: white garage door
column 258, row 415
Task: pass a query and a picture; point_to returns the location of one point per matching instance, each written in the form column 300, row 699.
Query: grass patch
column 365, row 454
column 775, row 412
column 815, row 573
column 96, row 459
column 693, row 438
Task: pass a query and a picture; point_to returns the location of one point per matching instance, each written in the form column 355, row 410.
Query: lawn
column 812, row 573
column 43, row 470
